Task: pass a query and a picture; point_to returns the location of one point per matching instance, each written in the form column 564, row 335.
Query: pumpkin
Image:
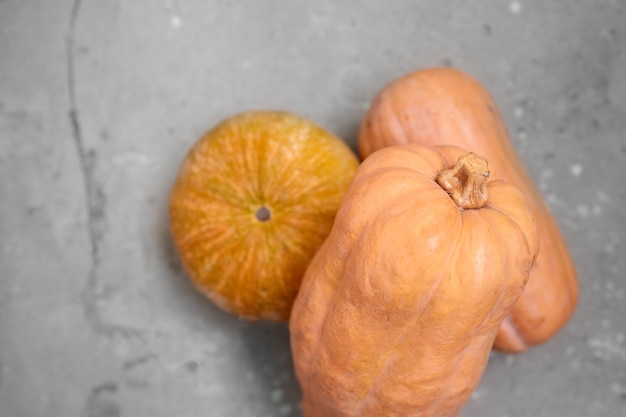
column 398, row 311
column 253, row 201
column 441, row 106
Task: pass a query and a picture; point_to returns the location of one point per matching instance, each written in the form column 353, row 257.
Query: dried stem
column 466, row 182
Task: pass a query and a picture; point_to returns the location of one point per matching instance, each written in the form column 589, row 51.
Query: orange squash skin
column 253, row 201
column 398, row 311
column 446, row 106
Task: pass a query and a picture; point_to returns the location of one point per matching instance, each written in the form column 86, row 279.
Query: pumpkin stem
column 466, row 182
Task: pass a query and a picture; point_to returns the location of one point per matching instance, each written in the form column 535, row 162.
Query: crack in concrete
column 95, row 198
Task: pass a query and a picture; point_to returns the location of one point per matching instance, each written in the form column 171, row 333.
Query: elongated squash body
column 442, row 106
column 399, row 309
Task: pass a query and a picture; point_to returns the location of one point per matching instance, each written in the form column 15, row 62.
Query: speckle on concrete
column 515, row 7
column 99, row 102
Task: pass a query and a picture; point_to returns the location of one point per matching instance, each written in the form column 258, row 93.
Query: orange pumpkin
column 254, row 200
column 399, row 309
column 446, row 106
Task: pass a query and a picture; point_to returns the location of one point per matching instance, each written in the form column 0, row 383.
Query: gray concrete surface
column 100, row 100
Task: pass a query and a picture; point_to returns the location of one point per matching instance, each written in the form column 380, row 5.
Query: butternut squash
column 398, row 310
column 442, row 106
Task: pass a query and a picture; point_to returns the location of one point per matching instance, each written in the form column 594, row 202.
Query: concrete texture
column 100, row 100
